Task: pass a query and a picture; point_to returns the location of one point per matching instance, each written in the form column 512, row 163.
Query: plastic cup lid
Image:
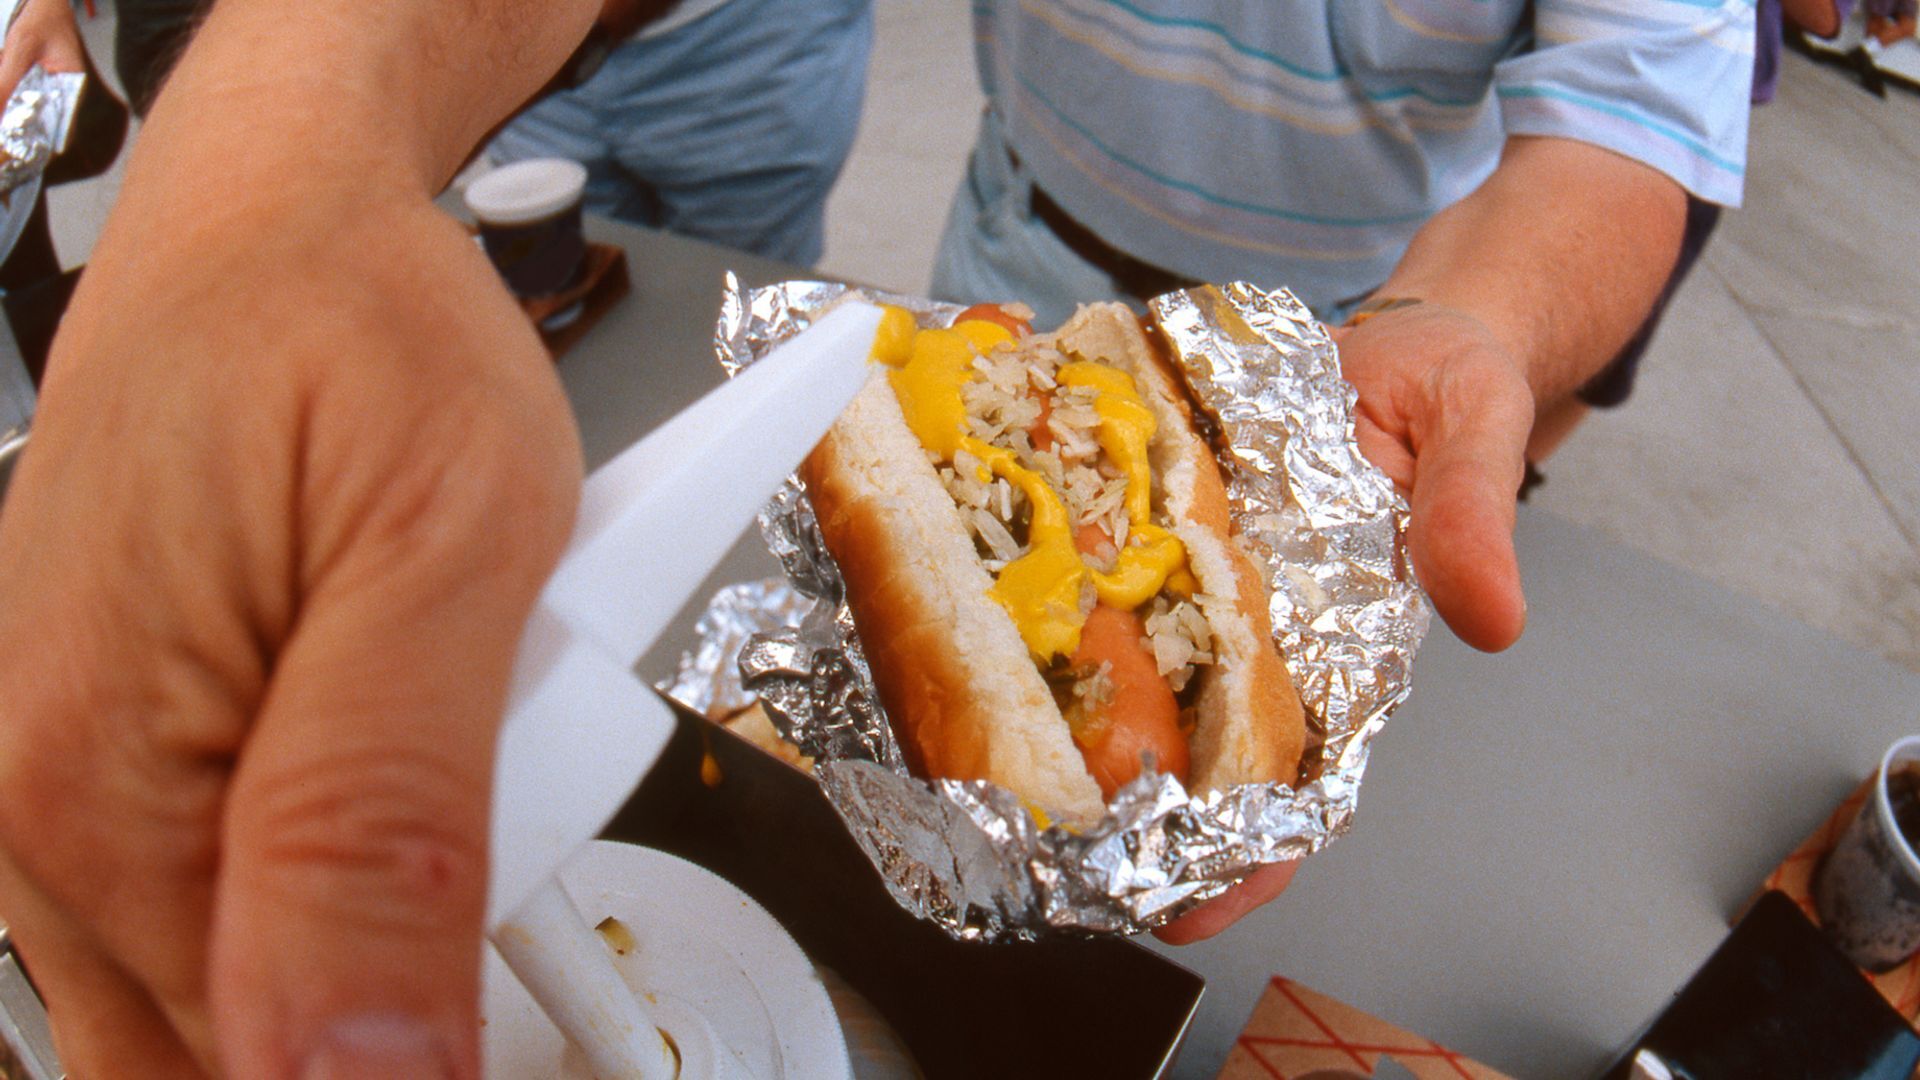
column 526, row 191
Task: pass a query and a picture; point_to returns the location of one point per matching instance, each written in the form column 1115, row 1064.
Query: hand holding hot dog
column 1446, row 412
column 1524, row 294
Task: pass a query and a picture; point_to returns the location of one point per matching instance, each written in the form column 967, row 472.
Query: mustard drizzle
column 1041, row 590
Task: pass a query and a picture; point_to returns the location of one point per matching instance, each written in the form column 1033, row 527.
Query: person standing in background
column 726, row 120
column 1486, row 198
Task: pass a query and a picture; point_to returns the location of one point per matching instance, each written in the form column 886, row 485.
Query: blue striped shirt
column 1304, row 141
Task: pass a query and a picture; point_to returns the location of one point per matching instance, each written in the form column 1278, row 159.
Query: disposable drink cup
column 1868, row 890
column 529, row 216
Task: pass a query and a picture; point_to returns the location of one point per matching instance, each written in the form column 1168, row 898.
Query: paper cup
column 1868, row 889
column 529, row 216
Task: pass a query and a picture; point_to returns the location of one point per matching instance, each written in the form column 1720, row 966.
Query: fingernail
column 378, row 1045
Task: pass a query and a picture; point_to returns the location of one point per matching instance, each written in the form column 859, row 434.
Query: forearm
column 1560, row 253
column 296, row 148
column 335, row 100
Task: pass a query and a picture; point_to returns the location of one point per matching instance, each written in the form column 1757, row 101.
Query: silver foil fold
column 35, row 123
column 1328, row 530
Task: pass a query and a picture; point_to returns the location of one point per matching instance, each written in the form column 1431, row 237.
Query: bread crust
column 950, row 666
column 951, row 669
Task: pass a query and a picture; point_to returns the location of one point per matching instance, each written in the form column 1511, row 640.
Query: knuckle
column 389, row 839
column 450, row 477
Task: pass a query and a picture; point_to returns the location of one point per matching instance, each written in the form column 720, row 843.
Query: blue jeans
column 731, row 129
column 994, row 249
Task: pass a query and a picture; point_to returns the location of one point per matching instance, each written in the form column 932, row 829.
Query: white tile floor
column 1771, row 446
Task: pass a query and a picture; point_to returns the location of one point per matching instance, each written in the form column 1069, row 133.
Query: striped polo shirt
column 1304, row 141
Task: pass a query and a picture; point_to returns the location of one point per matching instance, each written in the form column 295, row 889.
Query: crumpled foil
column 35, row 123
column 734, row 615
column 1325, row 525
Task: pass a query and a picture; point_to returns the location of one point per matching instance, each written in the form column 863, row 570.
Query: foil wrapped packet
column 1326, row 527
column 35, row 124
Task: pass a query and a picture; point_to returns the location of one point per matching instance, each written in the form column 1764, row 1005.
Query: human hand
column 1229, row 907
column 44, row 34
column 264, row 583
column 1445, row 410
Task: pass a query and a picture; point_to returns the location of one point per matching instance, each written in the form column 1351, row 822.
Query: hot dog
column 1037, row 553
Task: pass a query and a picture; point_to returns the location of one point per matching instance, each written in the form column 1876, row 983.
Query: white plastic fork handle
column 581, row 730
column 569, row 971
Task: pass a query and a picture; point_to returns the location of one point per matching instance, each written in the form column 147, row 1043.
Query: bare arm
column 1560, row 253
column 299, row 471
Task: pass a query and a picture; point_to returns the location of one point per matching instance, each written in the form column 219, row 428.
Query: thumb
column 352, row 887
column 1461, row 531
column 353, row 875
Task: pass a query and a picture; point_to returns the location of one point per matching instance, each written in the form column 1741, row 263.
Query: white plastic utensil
column 653, row 523
column 581, row 730
column 719, row 972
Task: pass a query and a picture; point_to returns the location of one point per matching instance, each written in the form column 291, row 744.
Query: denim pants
column 731, row 128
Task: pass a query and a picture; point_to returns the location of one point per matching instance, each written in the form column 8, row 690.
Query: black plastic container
column 1778, row 1000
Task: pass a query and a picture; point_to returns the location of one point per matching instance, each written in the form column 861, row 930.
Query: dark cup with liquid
column 529, row 217
column 1867, row 890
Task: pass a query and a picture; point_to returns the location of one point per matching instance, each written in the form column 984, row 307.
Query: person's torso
column 1287, row 142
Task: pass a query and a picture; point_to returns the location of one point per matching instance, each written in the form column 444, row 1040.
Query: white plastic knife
column 581, row 729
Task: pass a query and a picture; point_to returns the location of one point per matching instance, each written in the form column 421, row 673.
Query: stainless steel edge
column 11, row 444
column 26, row 1039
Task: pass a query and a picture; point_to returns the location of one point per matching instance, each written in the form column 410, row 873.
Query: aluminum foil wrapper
column 1327, row 528
column 35, row 124
column 707, row 680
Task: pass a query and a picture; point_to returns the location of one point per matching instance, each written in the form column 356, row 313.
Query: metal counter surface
column 1550, row 840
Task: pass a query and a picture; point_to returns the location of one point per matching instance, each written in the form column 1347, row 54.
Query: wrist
column 1440, row 319
column 405, row 89
column 1379, row 305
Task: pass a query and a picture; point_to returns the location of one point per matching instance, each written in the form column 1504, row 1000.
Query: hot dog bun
column 953, row 671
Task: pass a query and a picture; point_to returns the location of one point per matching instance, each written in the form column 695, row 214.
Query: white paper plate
column 724, row 980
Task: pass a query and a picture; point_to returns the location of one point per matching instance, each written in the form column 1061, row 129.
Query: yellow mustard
column 893, row 341
column 1041, row 590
